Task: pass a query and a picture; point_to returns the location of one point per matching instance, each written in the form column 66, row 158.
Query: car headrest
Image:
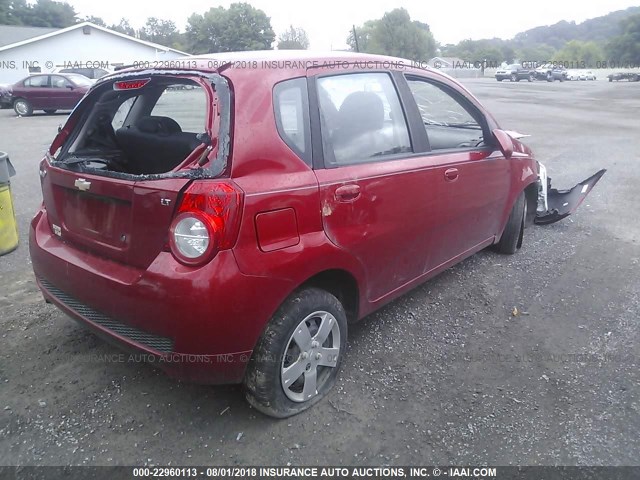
column 158, row 125
column 361, row 112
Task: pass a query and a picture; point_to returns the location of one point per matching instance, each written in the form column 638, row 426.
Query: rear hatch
column 113, row 176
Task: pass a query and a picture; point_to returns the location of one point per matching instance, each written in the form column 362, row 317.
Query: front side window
column 291, row 107
column 449, row 124
column 362, row 118
column 59, row 82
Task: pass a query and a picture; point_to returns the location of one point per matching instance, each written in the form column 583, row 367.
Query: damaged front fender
column 554, row 204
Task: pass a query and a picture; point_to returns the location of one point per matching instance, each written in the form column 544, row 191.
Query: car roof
column 309, row 57
column 297, row 55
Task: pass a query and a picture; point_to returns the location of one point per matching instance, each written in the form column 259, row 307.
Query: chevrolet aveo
column 230, row 216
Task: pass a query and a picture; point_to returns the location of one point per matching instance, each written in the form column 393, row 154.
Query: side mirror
column 504, row 142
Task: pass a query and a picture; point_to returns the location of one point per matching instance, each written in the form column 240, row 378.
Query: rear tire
column 23, row 107
column 512, row 236
column 304, row 342
column 514, row 77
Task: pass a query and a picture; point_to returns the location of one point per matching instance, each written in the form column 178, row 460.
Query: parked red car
column 48, row 92
column 233, row 230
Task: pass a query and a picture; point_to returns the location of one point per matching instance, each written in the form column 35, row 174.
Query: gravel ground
column 445, row 375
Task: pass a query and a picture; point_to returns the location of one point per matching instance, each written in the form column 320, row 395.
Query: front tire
column 512, row 236
column 23, row 107
column 514, row 77
column 297, row 359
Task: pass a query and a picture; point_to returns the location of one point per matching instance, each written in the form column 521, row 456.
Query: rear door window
column 37, row 81
column 362, row 118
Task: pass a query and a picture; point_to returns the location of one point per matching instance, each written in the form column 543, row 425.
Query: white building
column 25, row 50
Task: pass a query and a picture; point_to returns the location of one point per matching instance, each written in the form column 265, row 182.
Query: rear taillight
column 206, row 222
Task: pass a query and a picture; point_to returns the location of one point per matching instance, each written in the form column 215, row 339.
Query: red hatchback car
column 230, row 216
column 48, row 92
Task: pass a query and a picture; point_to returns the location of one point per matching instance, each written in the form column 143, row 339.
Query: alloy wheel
column 311, row 353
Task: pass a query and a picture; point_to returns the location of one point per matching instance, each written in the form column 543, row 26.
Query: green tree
column 10, row 11
column 363, row 35
column 163, row 32
column 293, row 39
column 492, row 50
column 626, row 47
column 536, row 53
column 124, row 27
column 576, row 52
column 47, row 13
column 395, row 34
column 240, row 27
column 508, row 53
column 95, row 20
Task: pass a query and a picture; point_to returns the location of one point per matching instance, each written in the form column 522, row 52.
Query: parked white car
column 573, row 75
column 588, row 75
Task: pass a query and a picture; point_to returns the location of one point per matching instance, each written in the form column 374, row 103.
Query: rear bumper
column 197, row 324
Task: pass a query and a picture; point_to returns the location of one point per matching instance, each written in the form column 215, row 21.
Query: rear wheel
column 22, row 107
column 297, row 359
column 50, row 112
column 530, row 78
column 514, row 77
column 512, row 236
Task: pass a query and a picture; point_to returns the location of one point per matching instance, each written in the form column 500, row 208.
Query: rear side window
column 291, row 106
column 362, row 118
column 39, row 81
column 186, row 104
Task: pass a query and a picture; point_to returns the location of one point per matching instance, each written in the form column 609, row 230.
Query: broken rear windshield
column 150, row 124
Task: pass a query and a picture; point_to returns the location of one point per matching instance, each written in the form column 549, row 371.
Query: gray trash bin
column 8, row 224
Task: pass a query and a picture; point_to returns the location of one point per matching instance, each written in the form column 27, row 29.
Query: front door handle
column 451, row 174
column 347, row 193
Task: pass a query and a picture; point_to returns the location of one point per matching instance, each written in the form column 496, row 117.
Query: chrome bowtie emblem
column 82, row 184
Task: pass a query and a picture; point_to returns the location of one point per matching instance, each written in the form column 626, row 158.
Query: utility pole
column 355, row 38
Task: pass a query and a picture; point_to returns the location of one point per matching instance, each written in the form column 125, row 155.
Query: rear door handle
column 451, row 174
column 347, row 193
